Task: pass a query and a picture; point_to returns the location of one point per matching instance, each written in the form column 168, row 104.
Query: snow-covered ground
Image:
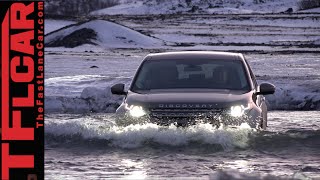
column 200, row 6
column 246, row 32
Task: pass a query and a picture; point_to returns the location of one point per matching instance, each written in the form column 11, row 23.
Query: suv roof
column 194, row 54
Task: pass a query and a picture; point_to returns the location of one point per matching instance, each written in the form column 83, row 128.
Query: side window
column 253, row 77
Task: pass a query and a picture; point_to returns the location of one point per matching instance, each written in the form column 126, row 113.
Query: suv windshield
column 191, row 73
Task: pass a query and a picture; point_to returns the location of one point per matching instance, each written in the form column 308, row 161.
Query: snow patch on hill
column 52, row 25
column 102, row 33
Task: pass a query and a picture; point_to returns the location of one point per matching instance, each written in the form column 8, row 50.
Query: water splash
column 138, row 135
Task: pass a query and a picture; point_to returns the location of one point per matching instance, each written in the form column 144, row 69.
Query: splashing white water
column 134, row 136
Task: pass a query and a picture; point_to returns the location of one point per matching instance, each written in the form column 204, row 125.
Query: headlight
column 136, row 111
column 238, row 111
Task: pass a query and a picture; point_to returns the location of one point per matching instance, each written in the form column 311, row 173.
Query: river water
column 93, row 147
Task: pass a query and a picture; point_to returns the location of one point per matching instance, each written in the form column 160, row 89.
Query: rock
column 289, row 10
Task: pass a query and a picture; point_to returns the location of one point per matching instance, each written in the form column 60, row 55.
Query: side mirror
column 266, row 88
column 118, row 89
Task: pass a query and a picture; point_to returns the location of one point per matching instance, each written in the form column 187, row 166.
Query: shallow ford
column 185, row 88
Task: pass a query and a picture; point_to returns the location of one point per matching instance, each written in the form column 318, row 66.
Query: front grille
column 184, row 117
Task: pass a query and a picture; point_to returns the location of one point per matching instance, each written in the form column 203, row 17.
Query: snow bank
column 91, row 100
column 105, row 34
column 198, row 6
column 102, row 100
column 294, row 99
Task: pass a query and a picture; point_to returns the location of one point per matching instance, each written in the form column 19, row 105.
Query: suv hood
column 186, row 100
